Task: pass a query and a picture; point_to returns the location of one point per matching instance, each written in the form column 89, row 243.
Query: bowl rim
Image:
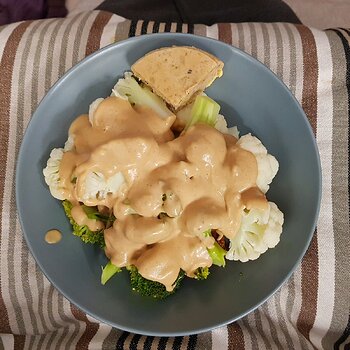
column 170, row 36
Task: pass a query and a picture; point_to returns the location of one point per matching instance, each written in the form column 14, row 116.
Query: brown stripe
column 90, row 331
column 200, row 29
column 309, row 97
column 96, row 31
column 225, row 33
column 19, row 340
column 235, row 337
column 6, row 69
column 111, row 340
column 309, row 268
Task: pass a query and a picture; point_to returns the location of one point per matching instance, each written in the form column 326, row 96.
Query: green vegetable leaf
column 108, row 272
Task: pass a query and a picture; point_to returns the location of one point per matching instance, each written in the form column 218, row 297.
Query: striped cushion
column 310, row 311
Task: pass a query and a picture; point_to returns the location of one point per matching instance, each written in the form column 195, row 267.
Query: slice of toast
column 177, row 73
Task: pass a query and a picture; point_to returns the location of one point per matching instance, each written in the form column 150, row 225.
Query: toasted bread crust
column 177, row 73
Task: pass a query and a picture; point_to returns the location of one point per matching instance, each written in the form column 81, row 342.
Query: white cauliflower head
column 51, row 173
column 259, row 230
column 267, row 164
column 97, row 186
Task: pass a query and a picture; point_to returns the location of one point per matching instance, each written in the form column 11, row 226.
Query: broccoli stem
column 108, row 272
column 217, row 253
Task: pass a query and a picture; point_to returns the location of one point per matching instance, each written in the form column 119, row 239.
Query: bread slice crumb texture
column 177, row 73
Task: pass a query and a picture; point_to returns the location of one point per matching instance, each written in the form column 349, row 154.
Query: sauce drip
column 174, row 188
column 53, row 236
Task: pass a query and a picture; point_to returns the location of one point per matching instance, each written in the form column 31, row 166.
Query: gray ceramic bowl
column 252, row 98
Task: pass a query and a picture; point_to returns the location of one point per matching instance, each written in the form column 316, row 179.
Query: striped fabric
column 311, row 311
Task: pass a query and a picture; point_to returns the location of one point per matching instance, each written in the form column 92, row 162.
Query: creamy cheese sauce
column 177, row 188
column 53, row 236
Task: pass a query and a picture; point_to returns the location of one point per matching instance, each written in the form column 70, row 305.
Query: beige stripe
column 279, row 43
column 44, row 60
column 138, row 28
column 71, row 38
column 240, row 32
column 325, row 234
column 270, row 318
column 219, row 338
column 285, row 318
column 29, row 68
column 173, row 27
column 109, row 30
column 213, row 31
column 184, row 28
column 57, row 67
column 161, row 27
column 8, row 341
column 150, row 27
column 42, row 284
column 339, row 187
column 63, row 40
column 74, row 329
column 259, row 42
column 122, row 30
column 235, row 37
column 81, row 49
column 247, row 38
column 298, row 62
column 261, row 329
column 273, row 47
column 286, row 64
column 5, row 34
column 265, row 34
column 253, row 41
column 248, row 327
column 100, row 336
column 50, row 54
column 12, row 291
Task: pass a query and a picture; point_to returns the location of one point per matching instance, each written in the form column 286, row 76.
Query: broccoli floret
column 202, row 273
column 149, row 288
column 85, row 234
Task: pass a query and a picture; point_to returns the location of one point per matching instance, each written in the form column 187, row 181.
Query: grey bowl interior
column 251, row 98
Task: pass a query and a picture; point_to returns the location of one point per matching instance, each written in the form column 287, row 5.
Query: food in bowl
column 153, row 175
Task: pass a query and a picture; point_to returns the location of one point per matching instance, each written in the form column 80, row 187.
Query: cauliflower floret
column 51, row 173
column 233, row 131
column 267, row 164
column 259, row 231
column 92, row 109
column 69, row 144
column 221, row 124
column 97, row 187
